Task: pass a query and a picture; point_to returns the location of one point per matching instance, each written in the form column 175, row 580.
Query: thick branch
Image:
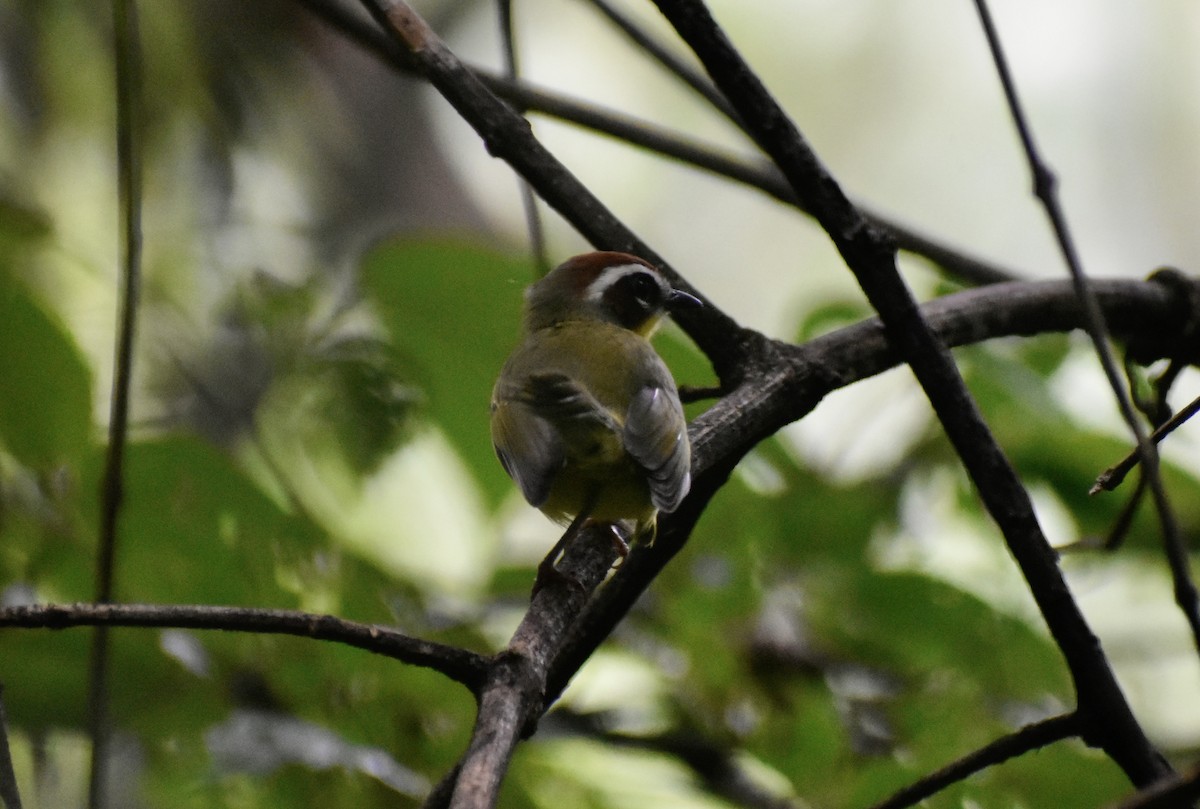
column 512, row 696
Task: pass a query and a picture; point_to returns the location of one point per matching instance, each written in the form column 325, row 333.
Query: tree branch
column 1110, row 723
column 458, row 664
column 722, row 435
column 1175, row 792
column 507, row 135
column 1031, row 737
column 1112, row 477
column 513, row 693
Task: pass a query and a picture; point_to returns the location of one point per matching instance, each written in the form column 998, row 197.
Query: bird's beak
column 678, row 299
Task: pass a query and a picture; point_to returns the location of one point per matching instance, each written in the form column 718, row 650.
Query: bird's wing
column 533, row 426
column 529, row 448
column 655, row 435
column 567, row 403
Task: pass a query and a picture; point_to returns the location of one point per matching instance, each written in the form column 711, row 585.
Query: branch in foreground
column 1031, row 737
column 1110, row 723
column 458, row 664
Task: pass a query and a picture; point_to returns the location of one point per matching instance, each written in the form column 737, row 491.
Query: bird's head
column 614, row 287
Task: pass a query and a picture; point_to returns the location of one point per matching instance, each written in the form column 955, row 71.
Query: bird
column 585, row 416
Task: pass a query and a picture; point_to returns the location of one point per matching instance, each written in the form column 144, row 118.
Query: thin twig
column 1029, row 738
column 1045, row 187
column 128, row 88
column 459, row 665
column 533, row 217
column 664, row 56
column 9, row 794
column 1112, row 477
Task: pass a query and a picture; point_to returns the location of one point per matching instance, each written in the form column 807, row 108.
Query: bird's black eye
column 643, row 287
column 635, row 298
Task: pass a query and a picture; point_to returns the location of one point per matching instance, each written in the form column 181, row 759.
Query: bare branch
column 1031, row 737
column 458, row 664
column 734, row 425
column 1112, row 477
column 673, row 64
column 512, row 697
column 1174, row 792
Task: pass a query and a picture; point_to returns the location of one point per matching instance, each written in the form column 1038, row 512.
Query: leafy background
column 333, row 278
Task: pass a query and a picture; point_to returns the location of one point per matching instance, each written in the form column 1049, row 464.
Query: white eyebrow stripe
column 610, row 276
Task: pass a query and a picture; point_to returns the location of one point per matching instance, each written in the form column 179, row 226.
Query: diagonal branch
column 511, row 697
column 1112, row 477
column 660, row 53
column 1026, row 739
column 1109, row 722
column 507, row 135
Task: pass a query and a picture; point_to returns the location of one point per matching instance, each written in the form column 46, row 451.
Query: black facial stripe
column 634, row 298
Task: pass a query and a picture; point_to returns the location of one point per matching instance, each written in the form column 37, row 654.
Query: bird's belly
column 619, row 490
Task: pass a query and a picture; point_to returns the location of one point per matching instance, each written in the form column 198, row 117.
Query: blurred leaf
column 455, row 310
column 45, row 386
column 831, row 316
column 226, row 541
column 362, row 398
column 917, row 626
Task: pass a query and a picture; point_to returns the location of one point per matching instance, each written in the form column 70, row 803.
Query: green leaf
column 45, row 386
column 455, row 310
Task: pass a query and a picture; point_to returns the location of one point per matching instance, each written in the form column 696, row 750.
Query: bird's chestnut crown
column 615, row 287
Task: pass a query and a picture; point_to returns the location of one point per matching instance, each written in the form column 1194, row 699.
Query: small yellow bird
column 585, row 415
